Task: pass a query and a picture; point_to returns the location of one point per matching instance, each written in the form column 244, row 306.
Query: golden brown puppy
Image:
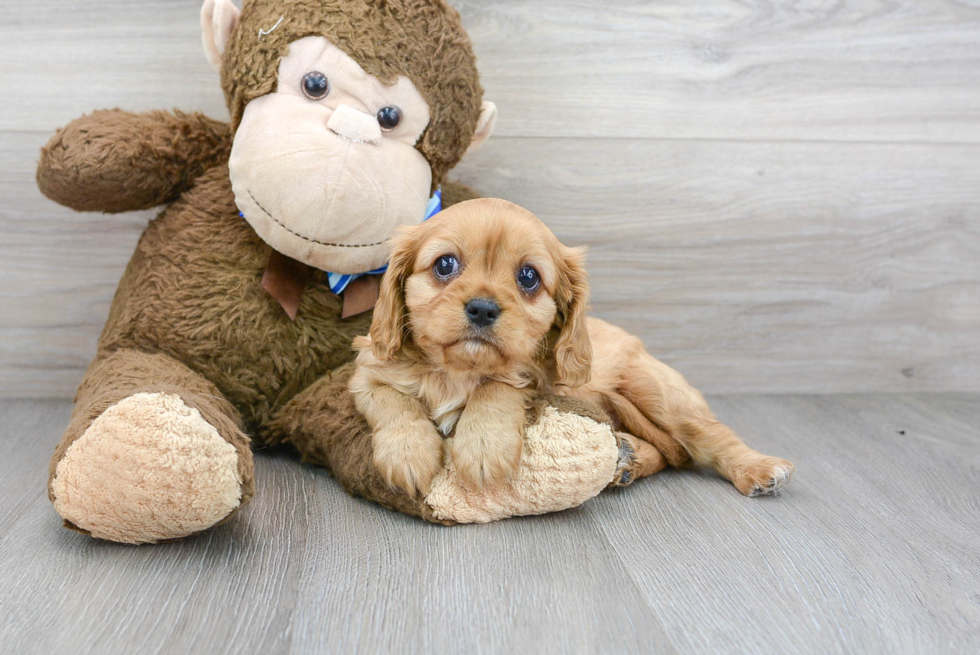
column 482, row 308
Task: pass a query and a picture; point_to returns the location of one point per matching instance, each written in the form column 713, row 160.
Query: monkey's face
column 325, row 167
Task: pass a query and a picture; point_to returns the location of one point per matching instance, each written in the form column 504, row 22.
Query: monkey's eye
column 446, row 267
column 389, row 118
column 528, row 279
column 315, row 85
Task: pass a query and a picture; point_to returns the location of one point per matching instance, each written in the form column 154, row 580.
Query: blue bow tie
column 338, row 281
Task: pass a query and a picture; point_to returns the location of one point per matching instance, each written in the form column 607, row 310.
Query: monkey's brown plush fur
column 196, row 356
column 114, row 161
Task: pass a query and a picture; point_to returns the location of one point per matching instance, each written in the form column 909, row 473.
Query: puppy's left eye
column 446, row 267
column 528, row 279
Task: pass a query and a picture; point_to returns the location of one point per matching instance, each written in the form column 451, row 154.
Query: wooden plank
column 307, row 569
column 69, row 58
column 858, row 70
column 58, row 272
column 750, row 267
column 871, row 548
column 495, row 588
column 755, row 267
column 30, row 430
column 799, row 267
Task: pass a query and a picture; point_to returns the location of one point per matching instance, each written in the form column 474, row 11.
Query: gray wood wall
column 778, row 196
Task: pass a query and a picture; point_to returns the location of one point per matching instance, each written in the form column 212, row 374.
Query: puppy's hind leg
column 640, row 426
column 665, row 398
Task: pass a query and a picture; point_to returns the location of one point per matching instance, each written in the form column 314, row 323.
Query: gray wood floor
column 873, row 548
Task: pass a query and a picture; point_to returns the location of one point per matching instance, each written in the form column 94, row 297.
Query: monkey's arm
column 454, row 192
column 570, row 455
column 116, row 161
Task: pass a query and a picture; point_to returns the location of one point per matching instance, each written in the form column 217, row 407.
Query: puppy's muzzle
column 482, row 312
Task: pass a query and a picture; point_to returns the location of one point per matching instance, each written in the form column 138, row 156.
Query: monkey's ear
column 573, row 350
column 219, row 18
column 390, row 321
column 484, row 125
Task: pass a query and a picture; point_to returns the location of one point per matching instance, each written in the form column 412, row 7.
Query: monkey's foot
column 637, row 459
column 626, row 463
column 148, row 469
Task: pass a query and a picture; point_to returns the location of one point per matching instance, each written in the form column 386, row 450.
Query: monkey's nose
column 482, row 312
column 355, row 125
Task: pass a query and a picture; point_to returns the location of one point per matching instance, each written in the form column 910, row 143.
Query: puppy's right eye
column 445, row 267
column 528, row 279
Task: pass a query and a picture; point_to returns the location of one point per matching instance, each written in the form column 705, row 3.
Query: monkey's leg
column 153, row 452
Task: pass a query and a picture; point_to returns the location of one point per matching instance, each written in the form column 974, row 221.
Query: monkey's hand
column 489, row 438
column 116, row 161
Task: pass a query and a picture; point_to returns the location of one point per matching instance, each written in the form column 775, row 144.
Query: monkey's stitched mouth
column 306, row 238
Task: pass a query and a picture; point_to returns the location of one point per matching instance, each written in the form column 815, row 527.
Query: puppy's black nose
column 482, row 312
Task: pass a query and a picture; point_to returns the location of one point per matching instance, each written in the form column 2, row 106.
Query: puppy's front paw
column 409, row 456
column 764, row 476
column 486, row 457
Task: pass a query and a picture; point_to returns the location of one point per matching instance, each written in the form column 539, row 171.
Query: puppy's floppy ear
column 390, row 320
column 573, row 349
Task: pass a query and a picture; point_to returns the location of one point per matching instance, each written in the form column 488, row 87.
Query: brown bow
column 285, row 279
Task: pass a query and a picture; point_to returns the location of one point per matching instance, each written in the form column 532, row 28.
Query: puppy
column 481, row 309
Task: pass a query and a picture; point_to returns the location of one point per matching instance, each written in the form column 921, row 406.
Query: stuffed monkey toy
column 232, row 325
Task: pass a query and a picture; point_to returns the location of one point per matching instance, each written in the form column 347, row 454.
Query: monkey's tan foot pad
column 637, row 459
column 567, row 459
column 148, row 469
column 625, row 474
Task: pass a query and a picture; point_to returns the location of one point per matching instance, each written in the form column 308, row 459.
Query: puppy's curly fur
column 482, row 308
